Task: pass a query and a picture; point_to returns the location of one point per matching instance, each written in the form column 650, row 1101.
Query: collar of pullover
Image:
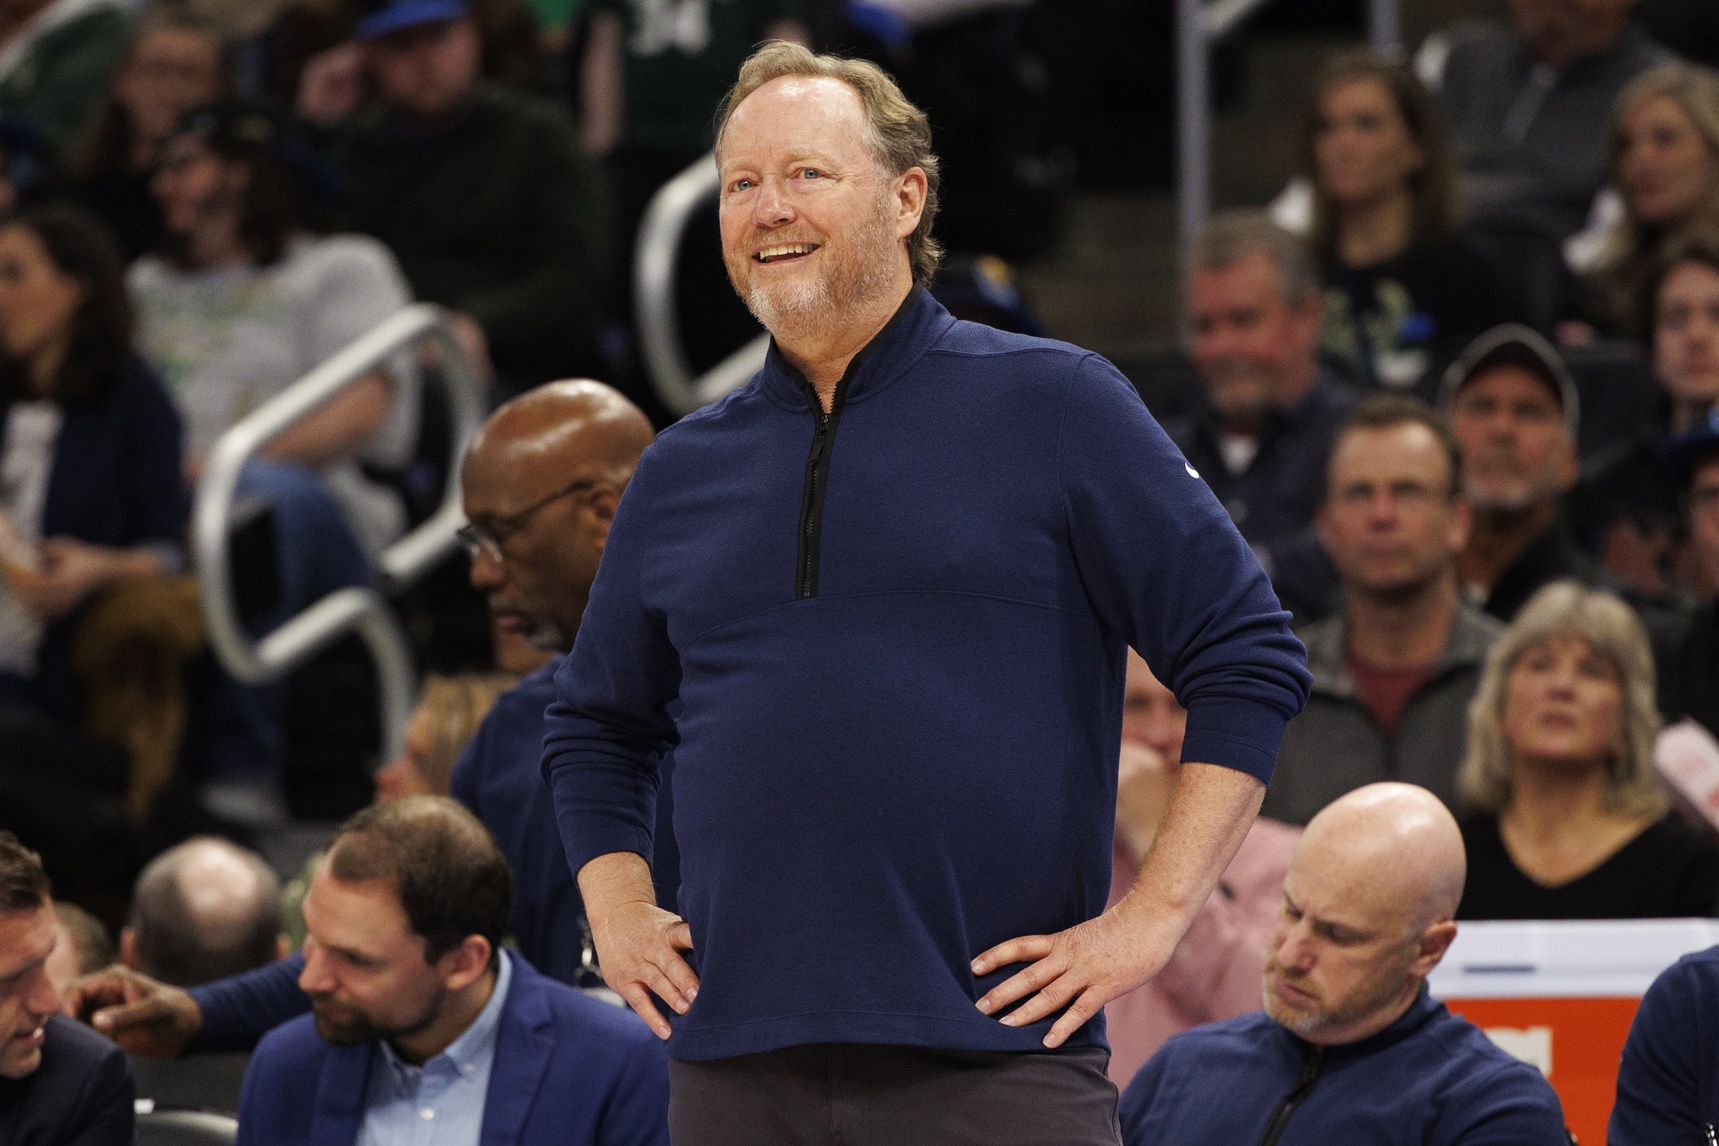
column 917, row 323
column 1422, row 1011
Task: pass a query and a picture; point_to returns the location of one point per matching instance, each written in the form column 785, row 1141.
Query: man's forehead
column 1407, row 449
column 810, row 113
column 1250, row 280
column 1332, row 885
column 26, row 937
column 359, row 915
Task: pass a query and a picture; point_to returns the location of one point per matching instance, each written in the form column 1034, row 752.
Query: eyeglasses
column 488, row 539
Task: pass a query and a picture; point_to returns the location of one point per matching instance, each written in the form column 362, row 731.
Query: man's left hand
column 1080, row 969
column 1088, row 965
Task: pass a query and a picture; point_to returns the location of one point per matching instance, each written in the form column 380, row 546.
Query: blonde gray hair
column 1612, row 630
column 897, row 134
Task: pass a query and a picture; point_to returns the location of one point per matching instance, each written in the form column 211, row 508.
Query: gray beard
column 793, row 312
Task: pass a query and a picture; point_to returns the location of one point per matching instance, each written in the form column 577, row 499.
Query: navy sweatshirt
column 896, row 637
column 1429, row 1079
column 1668, row 1081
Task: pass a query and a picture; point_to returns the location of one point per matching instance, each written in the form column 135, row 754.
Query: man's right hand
column 638, row 943
column 144, row 1016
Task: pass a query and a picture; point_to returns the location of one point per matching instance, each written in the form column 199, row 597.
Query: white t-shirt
column 228, row 339
column 26, row 463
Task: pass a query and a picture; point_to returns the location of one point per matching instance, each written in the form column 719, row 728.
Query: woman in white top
column 243, row 300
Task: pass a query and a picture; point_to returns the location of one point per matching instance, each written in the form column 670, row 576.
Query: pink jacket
column 1216, row 970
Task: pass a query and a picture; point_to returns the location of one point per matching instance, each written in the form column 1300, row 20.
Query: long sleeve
column 1164, row 566
column 608, row 727
column 239, row 1010
column 1660, row 1089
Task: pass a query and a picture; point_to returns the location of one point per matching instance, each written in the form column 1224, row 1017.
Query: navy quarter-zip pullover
column 1429, row 1079
column 896, row 635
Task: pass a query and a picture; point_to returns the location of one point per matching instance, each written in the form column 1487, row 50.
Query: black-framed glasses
column 488, row 539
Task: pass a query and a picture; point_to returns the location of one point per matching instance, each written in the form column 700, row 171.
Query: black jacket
column 81, row 1095
column 1273, row 501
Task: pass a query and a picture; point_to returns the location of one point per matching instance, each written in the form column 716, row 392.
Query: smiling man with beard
column 1262, row 432
column 878, row 602
column 1351, row 1048
column 422, row 1022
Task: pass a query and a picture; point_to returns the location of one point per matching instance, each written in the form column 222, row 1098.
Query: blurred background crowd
column 1449, row 355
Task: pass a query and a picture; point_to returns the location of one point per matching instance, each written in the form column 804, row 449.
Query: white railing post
column 655, row 258
column 364, row 611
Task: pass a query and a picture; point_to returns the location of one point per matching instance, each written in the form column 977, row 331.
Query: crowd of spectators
column 1503, row 596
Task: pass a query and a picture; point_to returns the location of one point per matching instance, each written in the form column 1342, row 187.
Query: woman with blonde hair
column 1665, row 169
column 1569, row 820
column 449, row 711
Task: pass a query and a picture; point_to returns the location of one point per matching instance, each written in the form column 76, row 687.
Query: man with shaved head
column 1351, row 1048
column 540, row 483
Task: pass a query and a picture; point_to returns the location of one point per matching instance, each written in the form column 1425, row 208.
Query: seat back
column 185, row 1128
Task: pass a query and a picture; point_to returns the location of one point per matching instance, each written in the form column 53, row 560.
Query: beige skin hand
column 639, row 944
column 69, row 570
column 1079, row 970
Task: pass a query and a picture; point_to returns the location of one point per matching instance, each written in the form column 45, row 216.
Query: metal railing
column 1200, row 24
column 363, row 611
column 655, row 259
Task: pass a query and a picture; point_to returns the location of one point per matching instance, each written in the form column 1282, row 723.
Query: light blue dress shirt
column 440, row 1103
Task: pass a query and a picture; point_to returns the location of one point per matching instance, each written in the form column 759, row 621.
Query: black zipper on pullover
column 818, row 461
column 817, row 478
column 1297, row 1093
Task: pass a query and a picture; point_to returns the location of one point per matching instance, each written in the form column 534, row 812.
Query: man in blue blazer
column 422, row 1023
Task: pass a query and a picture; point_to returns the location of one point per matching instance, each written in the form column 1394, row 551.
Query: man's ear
column 1322, row 524
column 1569, row 468
column 911, row 189
column 1461, row 522
column 466, row 963
column 1433, row 943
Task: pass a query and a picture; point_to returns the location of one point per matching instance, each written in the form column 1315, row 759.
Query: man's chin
column 343, row 1032
column 15, row 1065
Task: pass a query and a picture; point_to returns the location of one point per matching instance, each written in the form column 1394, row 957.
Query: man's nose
column 772, row 207
column 486, row 572
column 1294, row 951
column 42, row 1000
column 315, row 977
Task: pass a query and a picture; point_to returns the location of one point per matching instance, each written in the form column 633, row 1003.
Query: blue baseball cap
column 393, row 15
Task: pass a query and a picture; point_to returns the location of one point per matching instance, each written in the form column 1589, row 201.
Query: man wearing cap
column 1513, row 408
column 483, row 194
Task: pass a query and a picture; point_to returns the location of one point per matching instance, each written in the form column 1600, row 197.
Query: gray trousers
column 854, row 1094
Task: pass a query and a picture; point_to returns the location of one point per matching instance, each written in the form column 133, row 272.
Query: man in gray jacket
column 1393, row 672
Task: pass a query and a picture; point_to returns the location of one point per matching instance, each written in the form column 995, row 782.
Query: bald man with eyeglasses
column 539, row 484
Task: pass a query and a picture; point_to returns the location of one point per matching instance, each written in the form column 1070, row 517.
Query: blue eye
column 813, row 173
column 742, row 184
